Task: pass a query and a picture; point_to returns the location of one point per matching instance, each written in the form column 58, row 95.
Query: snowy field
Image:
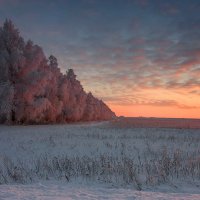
column 56, row 191
column 99, row 161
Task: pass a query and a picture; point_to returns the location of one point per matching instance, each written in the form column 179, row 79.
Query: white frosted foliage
column 33, row 90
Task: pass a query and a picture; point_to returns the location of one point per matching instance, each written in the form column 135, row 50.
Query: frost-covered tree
column 53, row 61
column 77, row 98
column 11, row 59
column 6, row 101
column 33, row 90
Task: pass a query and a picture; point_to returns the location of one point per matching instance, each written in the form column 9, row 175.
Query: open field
column 152, row 122
column 101, row 155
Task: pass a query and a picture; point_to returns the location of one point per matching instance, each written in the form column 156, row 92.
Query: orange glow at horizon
column 160, row 102
column 154, row 111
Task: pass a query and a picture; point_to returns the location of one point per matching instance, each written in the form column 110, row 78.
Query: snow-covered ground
column 56, row 191
column 99, row 161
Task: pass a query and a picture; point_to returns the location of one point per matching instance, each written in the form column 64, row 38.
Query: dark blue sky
column 121, row 50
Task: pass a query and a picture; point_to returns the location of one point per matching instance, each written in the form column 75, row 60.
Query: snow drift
column 33, row 90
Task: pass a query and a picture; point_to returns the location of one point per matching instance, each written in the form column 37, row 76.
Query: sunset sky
column 142, row 57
